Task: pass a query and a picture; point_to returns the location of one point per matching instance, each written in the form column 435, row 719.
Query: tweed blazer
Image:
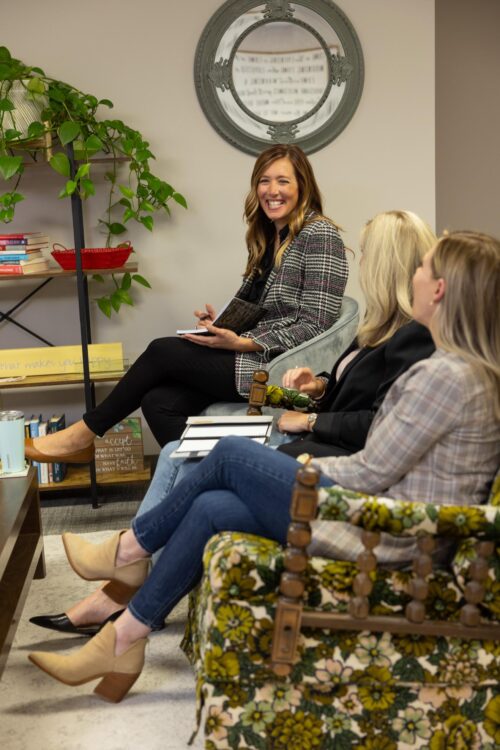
column 302, row 297
column 435, row 438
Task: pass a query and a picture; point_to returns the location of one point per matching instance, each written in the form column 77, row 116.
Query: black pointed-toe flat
column 63, row 624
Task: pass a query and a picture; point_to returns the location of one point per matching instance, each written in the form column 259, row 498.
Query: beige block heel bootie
column 96, row 562
column 97, row 659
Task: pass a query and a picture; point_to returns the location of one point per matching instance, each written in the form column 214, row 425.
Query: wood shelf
column 78, row 477
column 58, row 272
column 39, row 381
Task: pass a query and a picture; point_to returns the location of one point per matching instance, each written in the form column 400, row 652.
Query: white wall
column 141, row 57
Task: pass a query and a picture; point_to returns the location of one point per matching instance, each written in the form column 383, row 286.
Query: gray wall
column 468, row 115
column 383, row 160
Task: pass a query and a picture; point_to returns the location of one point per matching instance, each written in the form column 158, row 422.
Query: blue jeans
column 170, row 471
column 240, row 486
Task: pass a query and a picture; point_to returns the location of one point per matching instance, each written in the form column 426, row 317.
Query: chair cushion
column 231, row 624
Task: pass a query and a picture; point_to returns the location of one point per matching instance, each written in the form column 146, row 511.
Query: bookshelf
column 78, row 477
column 85, row 476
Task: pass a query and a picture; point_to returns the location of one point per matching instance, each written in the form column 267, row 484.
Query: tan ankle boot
column 96, row 562
column 97, row 659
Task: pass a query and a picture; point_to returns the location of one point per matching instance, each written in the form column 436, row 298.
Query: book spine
column 10, row 269
column 43, row 467
column 33, row 434
column 13, row 241
column 58, row 469
column 13, row 257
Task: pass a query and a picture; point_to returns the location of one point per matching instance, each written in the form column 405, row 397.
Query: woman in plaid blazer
column 296, row 271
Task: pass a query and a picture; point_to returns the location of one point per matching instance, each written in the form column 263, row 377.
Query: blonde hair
column 260, row 229
column 393, row 245
column 467, row 320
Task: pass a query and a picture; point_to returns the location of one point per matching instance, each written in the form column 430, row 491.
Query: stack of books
column 38, row 427
column 21, row 254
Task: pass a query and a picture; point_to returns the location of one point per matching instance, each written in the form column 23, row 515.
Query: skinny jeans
column 171, row 380
column 239, row 486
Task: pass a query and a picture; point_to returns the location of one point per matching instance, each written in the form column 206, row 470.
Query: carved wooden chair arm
column 425, row 521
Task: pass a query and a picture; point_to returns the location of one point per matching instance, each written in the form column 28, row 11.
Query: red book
column 8, row 269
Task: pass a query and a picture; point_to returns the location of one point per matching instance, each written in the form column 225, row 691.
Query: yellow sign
column 56, row 360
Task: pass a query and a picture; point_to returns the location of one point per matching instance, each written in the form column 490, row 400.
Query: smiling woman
column 296, row 272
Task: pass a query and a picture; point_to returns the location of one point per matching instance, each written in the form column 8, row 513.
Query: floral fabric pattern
column 347, row 690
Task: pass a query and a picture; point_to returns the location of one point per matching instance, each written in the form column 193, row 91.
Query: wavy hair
column 393, row 244
column 260, row 229
column 467, row 320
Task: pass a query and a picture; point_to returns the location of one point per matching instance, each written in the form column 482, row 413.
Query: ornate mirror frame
column 213, row 76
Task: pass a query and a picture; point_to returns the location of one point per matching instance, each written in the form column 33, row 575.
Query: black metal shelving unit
column 83, row 309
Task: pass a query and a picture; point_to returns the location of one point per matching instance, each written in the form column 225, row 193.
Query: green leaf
column 82, row 171
column 178, row 198
column 7, row 215
column 36, row 86
column 87, row 187
column 146, row 206
column 93, row 143
column 126, row 191
column 5, row 55
column 104, row 305
column 58, row 95
column 117, row 228
column 68, row 131
column 115, row 301
column 11, row 134
column 128, row 214
column 148, row 222
column 125, row 297
column 141, row 280
column 35, row 129
column 126, row 281
column 98, row 277
column 70, row 187
column 106, row 103
column 143, row 155
column 10, row 165
column 60, row 163
column 5, row 71
column 38, row 70
column 6, row 105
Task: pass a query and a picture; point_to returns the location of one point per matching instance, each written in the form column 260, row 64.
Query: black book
column 238, row 315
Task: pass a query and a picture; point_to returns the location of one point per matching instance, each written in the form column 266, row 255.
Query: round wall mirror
column 279, row 72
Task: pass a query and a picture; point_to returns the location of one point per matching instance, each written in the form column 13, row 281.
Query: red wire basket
column 93, row 258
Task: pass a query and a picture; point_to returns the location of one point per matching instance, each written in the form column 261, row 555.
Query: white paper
column 220, row 430
column 202, row 447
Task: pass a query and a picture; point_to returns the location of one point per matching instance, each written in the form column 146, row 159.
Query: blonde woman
column 435, row 438
column 296, row 271
column 388, row 342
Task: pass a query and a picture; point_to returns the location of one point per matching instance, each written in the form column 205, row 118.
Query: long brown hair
column 467, row 320
column 260, row 229
column 393, row 245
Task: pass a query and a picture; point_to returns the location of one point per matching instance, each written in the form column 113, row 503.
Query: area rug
column 38, row 712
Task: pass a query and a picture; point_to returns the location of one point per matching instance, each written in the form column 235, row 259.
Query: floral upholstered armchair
column 298, row 653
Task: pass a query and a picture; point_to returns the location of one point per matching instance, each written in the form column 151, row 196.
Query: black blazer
column 348, row 407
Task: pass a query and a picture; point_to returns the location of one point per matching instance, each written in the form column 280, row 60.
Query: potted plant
column 49, row 119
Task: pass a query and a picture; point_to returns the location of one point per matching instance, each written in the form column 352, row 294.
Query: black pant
column 308, row 444
column 172, row 380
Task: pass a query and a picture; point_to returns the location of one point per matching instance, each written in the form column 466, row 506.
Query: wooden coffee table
column 21, row 552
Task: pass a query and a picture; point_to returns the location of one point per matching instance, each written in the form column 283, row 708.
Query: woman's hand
column 293, row 421
column 222, row 338
column 207, row 315
column 303, row 380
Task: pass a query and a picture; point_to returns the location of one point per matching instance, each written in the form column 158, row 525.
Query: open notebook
column 203, row 433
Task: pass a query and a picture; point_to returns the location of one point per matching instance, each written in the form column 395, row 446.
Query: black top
column 256, row 289
column 347, row 409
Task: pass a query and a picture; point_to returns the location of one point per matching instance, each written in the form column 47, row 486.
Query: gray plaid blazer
column 302, row 297
column 435, row 438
